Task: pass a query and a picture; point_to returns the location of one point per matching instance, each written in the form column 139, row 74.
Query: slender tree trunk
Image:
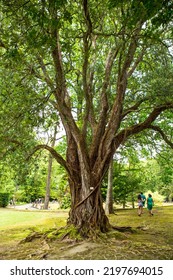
column 133, row 201
column 109, row 196
column 48, row 184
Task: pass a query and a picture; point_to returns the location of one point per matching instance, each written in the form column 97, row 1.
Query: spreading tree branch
column 133, row 108
column 53, row 152
column 165, row 138
column 122, row 136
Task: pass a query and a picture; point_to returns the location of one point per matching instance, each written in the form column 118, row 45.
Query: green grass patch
column 12, row 219
column 16, row 225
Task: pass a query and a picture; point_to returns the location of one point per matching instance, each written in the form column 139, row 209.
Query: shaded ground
column 152, row 237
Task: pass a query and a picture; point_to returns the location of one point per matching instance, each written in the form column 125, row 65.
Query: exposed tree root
column 71, row 234
column 124, row 229
column 32, row 236
column 143, row 228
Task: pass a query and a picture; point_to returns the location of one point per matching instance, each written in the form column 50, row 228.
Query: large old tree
column 94, row 66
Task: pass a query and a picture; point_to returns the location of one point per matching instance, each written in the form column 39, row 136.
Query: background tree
column 49, row 173
column 85, row 62
column 165, row 186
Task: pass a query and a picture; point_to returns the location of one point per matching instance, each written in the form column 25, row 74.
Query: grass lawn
column 151, row 238
column 13, row 219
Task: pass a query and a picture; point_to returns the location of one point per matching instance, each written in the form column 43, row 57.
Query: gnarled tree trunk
column 87, row 213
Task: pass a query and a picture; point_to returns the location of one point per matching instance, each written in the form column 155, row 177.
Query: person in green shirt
column 150, row 203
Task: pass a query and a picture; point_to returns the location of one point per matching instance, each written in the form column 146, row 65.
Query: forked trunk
column 87, row 214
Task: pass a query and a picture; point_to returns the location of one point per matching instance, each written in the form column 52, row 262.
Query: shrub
column 65, row 202
column 4, row 199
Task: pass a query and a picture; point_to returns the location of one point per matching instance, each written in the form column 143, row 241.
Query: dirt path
column 30, row 206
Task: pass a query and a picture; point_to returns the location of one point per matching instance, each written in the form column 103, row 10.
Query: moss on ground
column 151, row 238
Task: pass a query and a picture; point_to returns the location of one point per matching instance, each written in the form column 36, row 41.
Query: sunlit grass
column 11, row 219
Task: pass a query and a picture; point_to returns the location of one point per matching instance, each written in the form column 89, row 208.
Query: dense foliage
column 4, row 199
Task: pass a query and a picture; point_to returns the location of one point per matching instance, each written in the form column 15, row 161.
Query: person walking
column 143, row 199
column 140, row 205
column 150, row 203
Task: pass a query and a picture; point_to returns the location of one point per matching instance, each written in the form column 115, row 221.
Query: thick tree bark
column 87, row 213
column 109, row 197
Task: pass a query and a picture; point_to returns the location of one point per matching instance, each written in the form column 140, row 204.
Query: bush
column 65, row 202
column 4, row 199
